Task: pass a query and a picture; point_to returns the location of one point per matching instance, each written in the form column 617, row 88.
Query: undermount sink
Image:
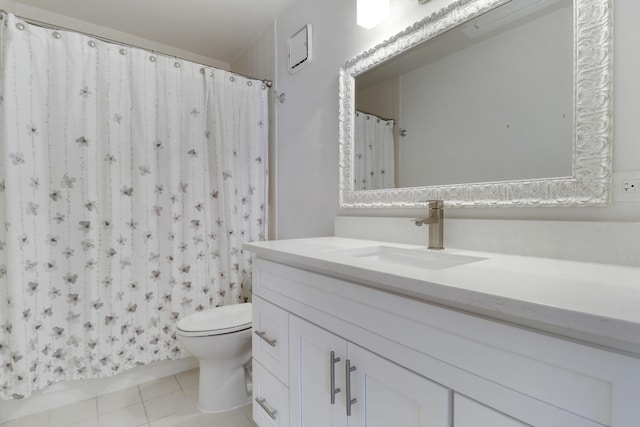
column 420, row 258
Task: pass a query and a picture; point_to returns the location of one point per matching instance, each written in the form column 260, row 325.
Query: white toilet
column 220, row 338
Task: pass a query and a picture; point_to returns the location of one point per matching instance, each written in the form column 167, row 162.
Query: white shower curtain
column 374, row 158
column 128, row 182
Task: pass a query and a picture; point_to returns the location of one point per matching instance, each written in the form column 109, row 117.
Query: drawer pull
column 332, row 368
column 263, row 404
column 263, row 335
column 350, row 401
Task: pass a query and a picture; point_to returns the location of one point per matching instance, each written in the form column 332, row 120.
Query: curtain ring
column 232, row 79
column 152, row 58
column 249, row 83
column 20, row 26
column 91, row 43
column 123, row 51
column 177, row 64
column 202, row 71
column 56, row 35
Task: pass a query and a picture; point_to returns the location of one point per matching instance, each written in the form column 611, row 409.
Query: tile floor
column 167, row 402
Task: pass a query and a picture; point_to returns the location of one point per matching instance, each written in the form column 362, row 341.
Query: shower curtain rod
column 268, row 83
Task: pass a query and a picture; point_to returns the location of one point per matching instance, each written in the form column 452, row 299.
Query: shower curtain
column 128, row 183
column 374, row 157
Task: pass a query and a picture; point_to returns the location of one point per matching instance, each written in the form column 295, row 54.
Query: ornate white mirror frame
column 592, row 141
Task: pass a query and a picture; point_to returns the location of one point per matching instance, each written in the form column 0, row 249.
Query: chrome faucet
column 435, row 219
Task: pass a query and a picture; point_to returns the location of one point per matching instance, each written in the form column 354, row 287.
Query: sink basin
column 420, row 258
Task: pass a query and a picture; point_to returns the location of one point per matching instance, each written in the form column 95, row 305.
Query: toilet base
column 222, row 386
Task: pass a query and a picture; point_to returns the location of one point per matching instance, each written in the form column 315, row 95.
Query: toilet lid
column 218, row 320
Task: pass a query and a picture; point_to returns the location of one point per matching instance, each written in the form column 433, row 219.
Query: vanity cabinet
column 419, row 364
column 367, row 389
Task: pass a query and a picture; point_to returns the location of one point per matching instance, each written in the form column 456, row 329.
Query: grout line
column 97, row 411
column 99, row 416
column 190, row 385
column 178, row 381
column 144, row 407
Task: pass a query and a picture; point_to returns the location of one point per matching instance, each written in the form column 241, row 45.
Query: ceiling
column 218, row 29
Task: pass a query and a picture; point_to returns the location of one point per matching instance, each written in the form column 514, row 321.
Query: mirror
column 483, row 103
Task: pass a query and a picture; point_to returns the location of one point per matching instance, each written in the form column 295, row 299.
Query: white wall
column 586, row 241
column 8, row 5
column 308, row 120
column 307, row 131
column 459, row 110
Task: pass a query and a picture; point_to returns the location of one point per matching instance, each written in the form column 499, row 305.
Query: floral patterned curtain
column 128, row 183
column 374, row 162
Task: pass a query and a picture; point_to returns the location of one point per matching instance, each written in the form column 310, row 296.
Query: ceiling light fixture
column 372, row 12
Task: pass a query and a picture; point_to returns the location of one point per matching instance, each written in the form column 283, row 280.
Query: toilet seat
column 216, row 321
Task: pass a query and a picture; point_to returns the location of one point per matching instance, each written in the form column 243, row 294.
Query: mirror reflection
column 490, row 100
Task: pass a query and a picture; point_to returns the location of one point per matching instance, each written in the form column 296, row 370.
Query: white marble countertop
column 595, row 303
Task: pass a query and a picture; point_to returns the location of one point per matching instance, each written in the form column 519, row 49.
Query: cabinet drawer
column 270, row 399
column 271, row 338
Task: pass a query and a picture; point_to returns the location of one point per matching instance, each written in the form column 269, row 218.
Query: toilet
column 220, row 338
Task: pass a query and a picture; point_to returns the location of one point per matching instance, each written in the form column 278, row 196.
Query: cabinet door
column 469, row 413
column 310, row 376
column 390, row 395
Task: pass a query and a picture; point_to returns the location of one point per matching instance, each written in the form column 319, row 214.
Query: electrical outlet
column 631, row 186
column 626, row 186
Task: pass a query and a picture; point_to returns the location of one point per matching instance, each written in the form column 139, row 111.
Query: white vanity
column 359, row 333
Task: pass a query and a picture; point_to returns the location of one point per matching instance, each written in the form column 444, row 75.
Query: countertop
column 594, row 303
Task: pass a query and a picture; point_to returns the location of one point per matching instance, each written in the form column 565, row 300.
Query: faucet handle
column 435, row 213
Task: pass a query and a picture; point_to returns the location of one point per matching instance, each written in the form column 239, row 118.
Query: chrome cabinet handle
column 263, row 404
column 332, row 367
column 350, row 401
column 263, row 335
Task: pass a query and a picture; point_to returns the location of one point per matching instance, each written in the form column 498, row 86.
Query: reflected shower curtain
column 128, row 183
column 374, row 156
